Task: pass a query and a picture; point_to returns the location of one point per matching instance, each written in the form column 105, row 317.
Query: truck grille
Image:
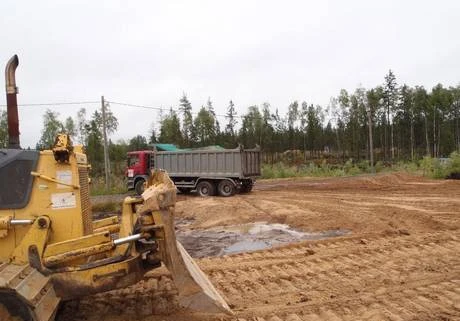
column 85, row 204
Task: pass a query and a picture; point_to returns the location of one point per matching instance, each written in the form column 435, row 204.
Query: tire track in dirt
column 376, row 277
column 388, row 279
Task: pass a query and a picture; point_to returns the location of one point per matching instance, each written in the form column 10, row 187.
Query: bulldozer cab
column 15, row 168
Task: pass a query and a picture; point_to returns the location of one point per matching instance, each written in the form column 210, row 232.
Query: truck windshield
column 133, row 160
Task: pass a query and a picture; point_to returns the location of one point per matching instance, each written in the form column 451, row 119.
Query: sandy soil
column 401, row 260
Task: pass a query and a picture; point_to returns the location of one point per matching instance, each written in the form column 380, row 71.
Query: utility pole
column 106, row 148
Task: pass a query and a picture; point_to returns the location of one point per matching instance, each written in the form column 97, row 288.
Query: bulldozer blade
column 195, row 290
column 207, row 299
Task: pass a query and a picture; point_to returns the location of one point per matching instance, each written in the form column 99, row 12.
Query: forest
column 405, row 123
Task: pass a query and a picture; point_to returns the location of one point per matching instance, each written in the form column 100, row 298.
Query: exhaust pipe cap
column 10, row 78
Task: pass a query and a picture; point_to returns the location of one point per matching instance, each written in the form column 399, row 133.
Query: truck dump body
column 233, row 163
column 209, row 170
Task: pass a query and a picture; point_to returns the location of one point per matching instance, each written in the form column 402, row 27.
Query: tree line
column 406, row 123
column 403, row 122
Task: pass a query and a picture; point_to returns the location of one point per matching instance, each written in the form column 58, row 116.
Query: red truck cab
column 137, row 170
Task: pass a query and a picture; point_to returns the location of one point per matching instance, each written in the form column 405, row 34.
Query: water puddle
column 219, row 241
column 247, row 246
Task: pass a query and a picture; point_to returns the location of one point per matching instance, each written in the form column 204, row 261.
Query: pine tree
column 51, row 128
column 138, row 142
column 251, row 132
column 153, row 136
column 185, row 108
column 204, row 125
column 230, row 128
column 390, row 97
column 421, row 104
column 69, row 127
column 94, row 147
column 408, row 112
column 292, row 116
column 231, row 113
column 267, row 129
column 210, row 108
column 170, row 129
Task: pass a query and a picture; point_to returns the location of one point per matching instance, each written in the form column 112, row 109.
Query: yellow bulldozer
column 52, row 250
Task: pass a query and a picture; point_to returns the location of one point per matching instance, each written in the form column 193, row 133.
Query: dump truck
column 51, row 249
column 207, row 170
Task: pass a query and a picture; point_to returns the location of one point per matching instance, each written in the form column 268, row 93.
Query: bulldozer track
column 154, row 295
column 24, row 283
column 377, row 277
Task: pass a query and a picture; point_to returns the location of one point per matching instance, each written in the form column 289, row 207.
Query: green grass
column 428, row 166
column 281, row 170
column 106, row 207
column 117, row 186
column 350, row 168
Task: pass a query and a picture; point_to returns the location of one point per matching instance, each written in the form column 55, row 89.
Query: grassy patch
column 117, row 186
column 281, row 170
column 106, row 207
column 350, row 168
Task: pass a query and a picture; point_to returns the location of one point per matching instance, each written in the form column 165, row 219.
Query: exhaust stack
column 12, row 102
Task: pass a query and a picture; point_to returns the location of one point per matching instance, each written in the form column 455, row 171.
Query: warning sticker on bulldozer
column 63, row 200
column 64, row 177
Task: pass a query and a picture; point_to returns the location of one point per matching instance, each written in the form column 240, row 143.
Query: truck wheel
column 139, row 187
column 205, row 188
column 226, row 188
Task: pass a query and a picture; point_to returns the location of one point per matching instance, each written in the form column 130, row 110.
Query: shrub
column 434, row 168
column 379, row 166
column 454, row 165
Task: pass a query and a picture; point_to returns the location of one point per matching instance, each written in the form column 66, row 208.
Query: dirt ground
column 400, row 258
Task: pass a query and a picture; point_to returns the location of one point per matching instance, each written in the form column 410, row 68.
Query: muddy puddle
column 222, row 240
column 219, row 241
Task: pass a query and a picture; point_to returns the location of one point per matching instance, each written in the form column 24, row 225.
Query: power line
column 134, row 105
column 57, row 104
column 123, row 104
column 166, row 109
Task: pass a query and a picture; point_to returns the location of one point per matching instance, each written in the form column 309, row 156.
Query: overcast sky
column 150, row 52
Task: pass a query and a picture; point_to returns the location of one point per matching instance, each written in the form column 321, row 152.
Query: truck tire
column 205, row 188
column 226, row 188
column 139, row 186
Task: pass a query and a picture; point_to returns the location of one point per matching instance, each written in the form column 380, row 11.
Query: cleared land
column 401, row 260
